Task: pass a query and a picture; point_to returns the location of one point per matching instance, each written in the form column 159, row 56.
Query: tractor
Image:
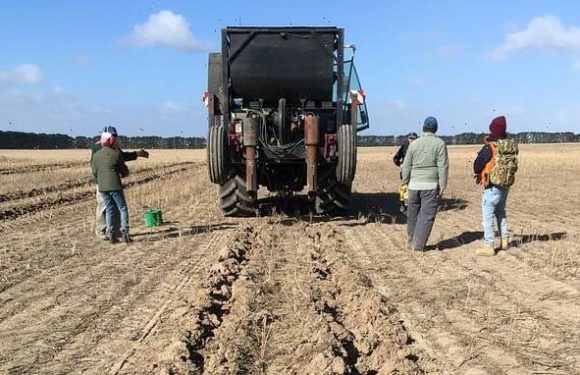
column 284, row 110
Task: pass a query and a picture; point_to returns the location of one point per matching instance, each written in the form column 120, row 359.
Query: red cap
column 498, row 127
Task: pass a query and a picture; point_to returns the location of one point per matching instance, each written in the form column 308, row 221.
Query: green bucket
column 153, row 217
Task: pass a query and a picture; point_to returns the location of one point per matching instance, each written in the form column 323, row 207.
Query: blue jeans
column 493, row 205
column 112, row 198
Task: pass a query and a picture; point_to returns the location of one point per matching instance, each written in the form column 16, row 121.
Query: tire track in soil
column 62, row 199
column 41, row 168
column 110, row 316
column 16, row 264
column 535, row 250
column 121, row 315
column 371, row 337
column 213, row 306
column 83, row 326
column 192, row 267
column 467, row 337
column 71, row 184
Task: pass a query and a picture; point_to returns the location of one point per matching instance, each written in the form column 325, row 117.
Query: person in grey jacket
column 425, row 169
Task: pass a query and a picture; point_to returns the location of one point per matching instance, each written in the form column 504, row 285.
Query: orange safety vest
column 489, row 165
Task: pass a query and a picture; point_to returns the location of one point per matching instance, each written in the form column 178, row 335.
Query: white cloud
column 58, row 90
column 81, row 59
column 165, row 28
column 23, row 73
column 545, row 32
column 415, row 82
column 448, row 51
column 172, row 107
column 396, row 106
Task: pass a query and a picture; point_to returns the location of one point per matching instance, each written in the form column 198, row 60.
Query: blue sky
column 73, row 67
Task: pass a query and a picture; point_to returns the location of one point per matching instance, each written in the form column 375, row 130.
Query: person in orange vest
column 495, row 168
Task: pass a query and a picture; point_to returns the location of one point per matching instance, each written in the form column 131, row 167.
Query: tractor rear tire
column 346, row 167
column 217, row 155
column 332, row 196
column 234, row 198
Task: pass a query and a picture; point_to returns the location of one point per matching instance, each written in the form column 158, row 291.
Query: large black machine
column 284, row 109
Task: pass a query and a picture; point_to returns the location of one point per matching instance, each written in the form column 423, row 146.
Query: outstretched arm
column 133, row 155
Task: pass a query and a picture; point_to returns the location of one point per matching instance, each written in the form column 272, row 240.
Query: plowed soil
column 286, row 293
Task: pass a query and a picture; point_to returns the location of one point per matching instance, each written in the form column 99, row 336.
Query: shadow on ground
column 518, row 240
column 466, row 238
column 457, row 241
column 385, row 207
column 172, row 231
column 366, row 208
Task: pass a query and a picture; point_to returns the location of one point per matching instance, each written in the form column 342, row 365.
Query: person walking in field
column 425, row 170
column 100, row 216
column 495, row 168
column 398, row 159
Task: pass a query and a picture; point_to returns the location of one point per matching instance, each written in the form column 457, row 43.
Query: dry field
column 285, row 293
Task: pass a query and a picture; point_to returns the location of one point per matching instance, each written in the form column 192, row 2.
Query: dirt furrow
column 61, row 232
column 453, row 343
column 51, row 201
column 18, row 169
column 293, row 299
column 160, row 345
column 213, row 304
column 76, row 183
column 92, row 327
column 480, row 338
column 369, row 329
column 542, row 257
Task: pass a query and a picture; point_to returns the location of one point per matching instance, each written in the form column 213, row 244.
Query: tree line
column 474, row 138
column 21, row 140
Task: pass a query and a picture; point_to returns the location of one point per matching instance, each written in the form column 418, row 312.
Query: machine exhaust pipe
column 311, row 134
column 250, row 142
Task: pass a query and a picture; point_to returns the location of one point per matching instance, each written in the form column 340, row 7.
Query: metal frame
column 340, row 78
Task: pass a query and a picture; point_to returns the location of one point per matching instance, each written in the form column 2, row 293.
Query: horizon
column 142, row 67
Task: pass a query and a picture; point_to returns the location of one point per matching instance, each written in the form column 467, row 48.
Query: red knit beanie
column 498, row 127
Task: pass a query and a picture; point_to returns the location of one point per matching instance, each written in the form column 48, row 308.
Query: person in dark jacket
column 398, row 159
column 108, row 167
column 402, row 151
column 108, row 138
column 100, row 219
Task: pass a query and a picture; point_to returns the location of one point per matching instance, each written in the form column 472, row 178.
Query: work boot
column 126, row 238
column 505, row 243
column 485, row 250
column 111, row 237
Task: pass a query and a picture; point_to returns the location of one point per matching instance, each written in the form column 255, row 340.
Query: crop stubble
column 282, row 295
